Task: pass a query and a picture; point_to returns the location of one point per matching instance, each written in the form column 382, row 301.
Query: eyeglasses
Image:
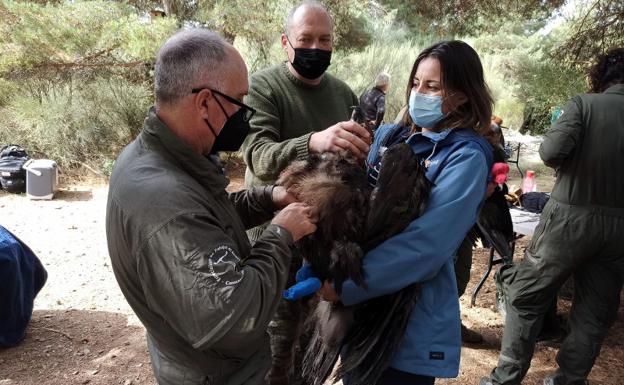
column 248, row 112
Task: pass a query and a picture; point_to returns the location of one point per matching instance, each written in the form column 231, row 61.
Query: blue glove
column 304, row 272
column 301, row 289
column 307, row 283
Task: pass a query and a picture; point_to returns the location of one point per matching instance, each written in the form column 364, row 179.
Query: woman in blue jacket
column 449, row 104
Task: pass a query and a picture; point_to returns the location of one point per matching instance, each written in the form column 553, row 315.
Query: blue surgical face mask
column 425, row 110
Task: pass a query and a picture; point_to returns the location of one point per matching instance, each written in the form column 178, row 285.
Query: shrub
column 89, row 124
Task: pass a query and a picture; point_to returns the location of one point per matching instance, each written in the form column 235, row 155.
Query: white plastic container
column 41, row 178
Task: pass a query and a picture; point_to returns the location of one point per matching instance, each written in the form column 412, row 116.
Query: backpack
column 12, row 173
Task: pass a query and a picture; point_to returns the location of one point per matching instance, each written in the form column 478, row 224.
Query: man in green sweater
column 300, row 110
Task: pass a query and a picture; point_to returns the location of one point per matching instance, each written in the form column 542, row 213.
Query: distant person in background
column 579, row 234
column 528, row 121
column 373, row 101
column 495, row 136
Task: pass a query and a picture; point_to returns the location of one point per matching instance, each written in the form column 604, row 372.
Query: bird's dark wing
column 495, row 225
column 399, row 196
column 379, row 327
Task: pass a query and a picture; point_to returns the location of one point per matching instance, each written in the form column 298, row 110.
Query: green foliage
column 522, row 74
column 503, row 87
column 75, row 77
column 547, row 85
column 7, row 89
column 352, row 24
column 88, row 123
column 596, row 27
column 359, row 69
column 469, row 18
column 45, row 40
column 393, row 50
column 253, row 20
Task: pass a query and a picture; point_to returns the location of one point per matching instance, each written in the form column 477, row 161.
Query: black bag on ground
column 534, row 201
column 12, row 174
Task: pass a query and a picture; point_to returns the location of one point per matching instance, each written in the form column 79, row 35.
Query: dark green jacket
column 586, row 147
column 180, row 254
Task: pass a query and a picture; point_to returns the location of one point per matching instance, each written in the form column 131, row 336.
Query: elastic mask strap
column 211, row 129
column 220, row 105
column 435, row 145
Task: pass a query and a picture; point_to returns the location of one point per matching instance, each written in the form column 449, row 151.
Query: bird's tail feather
column 377, row 334
column 331, row 325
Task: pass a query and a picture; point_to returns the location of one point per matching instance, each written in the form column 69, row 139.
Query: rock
column 7, row 381
column 127, row 382
column 94, row 372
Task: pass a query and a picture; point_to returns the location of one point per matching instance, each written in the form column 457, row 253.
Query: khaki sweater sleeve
column 266, row 152
column 254, row 206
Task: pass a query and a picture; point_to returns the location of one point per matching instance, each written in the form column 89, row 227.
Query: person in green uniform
column 177, row 239
column 579, row 234
column 301, row 109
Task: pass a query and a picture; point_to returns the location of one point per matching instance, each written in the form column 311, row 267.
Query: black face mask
column 232, row 134
column 234, row 130
column 311, row 63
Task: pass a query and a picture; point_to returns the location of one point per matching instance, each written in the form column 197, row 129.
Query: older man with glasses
column 177, row 239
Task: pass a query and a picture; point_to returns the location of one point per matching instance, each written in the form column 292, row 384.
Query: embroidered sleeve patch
column 224, row 266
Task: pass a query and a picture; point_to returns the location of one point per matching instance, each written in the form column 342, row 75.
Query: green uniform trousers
column 290, row 335
column 288, row 330
column 586, row 242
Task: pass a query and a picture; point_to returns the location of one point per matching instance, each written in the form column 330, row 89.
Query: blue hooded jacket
column 458, row 165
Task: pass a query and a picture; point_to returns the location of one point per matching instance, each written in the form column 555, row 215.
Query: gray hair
column 190, row 58
column 383, row 79
column 305, row 3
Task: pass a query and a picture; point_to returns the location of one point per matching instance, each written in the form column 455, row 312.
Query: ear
column 284, row 41
column 202, row 102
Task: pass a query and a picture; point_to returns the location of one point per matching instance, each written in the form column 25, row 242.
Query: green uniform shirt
column 180, row 254
column 288, row 112
column 586, row 147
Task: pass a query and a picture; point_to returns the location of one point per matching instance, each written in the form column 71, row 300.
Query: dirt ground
column 83, row 331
